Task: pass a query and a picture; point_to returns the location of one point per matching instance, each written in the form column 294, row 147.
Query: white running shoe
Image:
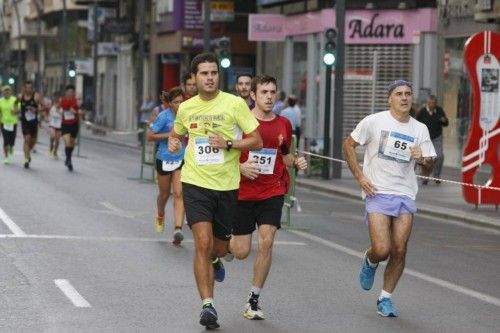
column 253, row 310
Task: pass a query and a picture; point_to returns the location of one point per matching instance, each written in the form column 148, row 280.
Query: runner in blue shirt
column 168, row 164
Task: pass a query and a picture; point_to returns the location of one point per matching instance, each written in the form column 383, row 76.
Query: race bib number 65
column 398, row 146
column 204, row 154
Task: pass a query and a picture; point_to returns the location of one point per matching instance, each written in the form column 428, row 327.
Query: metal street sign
column 118, row 26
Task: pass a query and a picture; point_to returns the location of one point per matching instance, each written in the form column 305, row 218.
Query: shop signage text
column 357, row 29
column 361, row 27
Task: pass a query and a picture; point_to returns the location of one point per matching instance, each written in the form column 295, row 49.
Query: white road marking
column 10, row 224
column 112, row 209
column 119, row 239
column 439, row 282
column 71, row 293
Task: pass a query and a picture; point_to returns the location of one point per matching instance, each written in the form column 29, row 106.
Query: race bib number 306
column 265, row 159
column 398, row 146
column 204, row 154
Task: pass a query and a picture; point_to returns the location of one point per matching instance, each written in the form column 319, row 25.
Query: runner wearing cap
column 393, row 143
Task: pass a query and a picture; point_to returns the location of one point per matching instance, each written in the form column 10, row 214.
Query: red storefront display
column 482, row 54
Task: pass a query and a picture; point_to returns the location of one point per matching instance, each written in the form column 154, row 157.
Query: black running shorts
column 251, row 213
column 161, row 172
column 29, row 128
column 9, row 137
column 72, row 130
column 205, row 205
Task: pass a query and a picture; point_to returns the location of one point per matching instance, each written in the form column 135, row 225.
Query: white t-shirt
column 55, row 117
column 387, row 161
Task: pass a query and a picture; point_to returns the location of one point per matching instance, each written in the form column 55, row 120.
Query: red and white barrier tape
column 482, row 187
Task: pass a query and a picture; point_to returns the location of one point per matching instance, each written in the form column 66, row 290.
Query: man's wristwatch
column 229, row 144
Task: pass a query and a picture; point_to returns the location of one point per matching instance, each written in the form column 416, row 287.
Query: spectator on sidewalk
column 293, row 113
column 280, row 103
column 435, row 119
column 145, row 112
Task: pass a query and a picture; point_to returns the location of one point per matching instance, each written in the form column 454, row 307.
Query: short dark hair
column 28, row 82
column 433, row 98
column 169, row 96
column 70, row 86
column 243, row 74
column 282, row 95
column 185, row 78
column 201, row 58
column 292, row 100
column 262, row 79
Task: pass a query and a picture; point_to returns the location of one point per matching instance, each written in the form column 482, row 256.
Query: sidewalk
column 444, row 200
column 121, row 138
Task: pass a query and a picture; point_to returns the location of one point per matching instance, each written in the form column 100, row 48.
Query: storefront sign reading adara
column 361, row 27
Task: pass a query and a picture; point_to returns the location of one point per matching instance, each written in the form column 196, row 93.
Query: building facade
column 381, row 46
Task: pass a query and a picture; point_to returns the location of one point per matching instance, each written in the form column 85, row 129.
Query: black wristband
column 284, row 149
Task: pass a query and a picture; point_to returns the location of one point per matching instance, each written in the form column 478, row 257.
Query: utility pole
column 140, row 57
column 39, row 11
column 20, row 73
column 94, row 64
column 338, row 114
column 206, row 26
column 65, row 42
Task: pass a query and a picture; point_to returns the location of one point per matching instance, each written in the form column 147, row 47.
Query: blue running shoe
column 208, row 317
column 386, row 308
column 219, row 271
column 367, row 275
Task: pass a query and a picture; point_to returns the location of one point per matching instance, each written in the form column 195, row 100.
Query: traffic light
column 71, row 69
column 223, row 51
column 330, row 47
column 11, row 80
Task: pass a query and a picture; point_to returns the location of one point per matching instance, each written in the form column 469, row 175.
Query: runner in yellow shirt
column 8, row 119
column 215, row 122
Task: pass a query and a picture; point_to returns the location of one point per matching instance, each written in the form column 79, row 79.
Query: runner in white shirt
column 55, row 121
column 393, row 143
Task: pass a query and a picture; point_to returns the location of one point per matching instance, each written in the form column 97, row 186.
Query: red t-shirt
column 269, row 185
column 69, row 118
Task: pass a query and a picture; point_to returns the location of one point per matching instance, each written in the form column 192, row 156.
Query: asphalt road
column 79, row 253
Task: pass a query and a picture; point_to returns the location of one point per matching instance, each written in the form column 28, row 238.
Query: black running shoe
column 208, row 317
column 69, row 165
column 219, row 271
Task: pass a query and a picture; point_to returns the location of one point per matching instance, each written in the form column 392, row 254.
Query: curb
column 422, row 209
column 111, row 142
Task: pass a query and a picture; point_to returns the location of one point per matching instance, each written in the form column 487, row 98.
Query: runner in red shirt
column 263, row 185
column 71, row 112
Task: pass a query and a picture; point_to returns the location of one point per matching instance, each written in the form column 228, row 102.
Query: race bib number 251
column 265, row 159
column 204, row 154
